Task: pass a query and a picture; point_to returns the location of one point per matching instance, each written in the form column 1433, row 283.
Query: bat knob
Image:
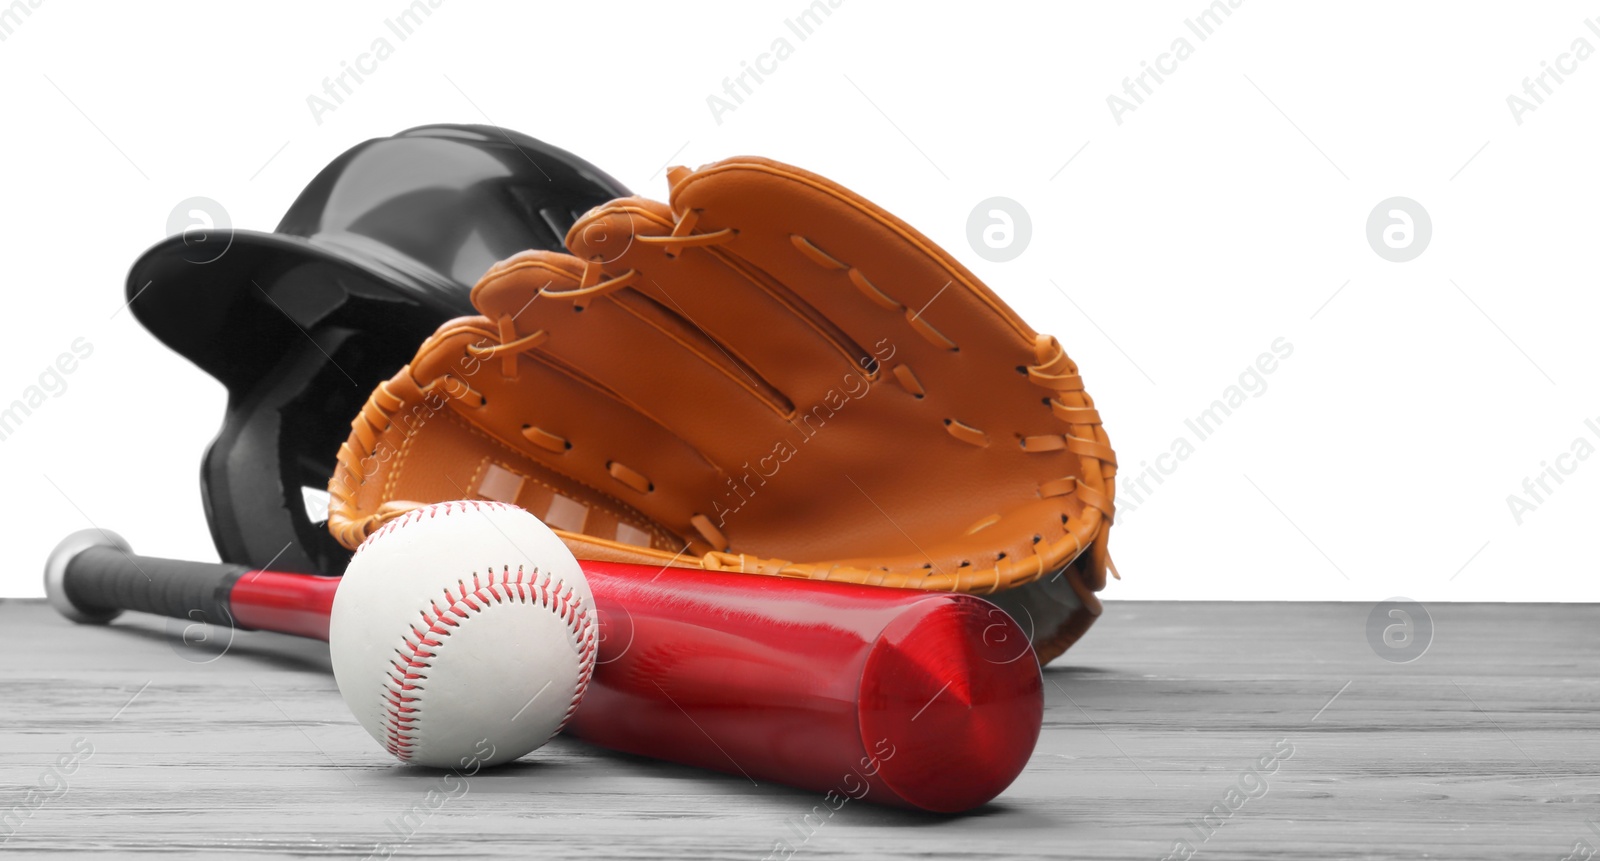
column 60, row 560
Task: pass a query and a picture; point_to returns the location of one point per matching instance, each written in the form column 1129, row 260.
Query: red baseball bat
column 915, row 699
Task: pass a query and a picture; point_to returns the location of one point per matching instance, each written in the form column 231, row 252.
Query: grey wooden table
column 1485, row 747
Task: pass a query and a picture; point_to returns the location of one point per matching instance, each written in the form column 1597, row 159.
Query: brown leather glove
column 769, row 375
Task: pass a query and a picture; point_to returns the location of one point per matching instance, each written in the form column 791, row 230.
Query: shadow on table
column 532, row 775
column 264, row 648
column 997, row 814
column 1068, row 671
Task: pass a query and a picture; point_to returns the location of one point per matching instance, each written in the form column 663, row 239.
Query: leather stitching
column 1055, row 372
column 649, row 526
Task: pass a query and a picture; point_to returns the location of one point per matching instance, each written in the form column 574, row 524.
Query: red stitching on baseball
column 401, row 692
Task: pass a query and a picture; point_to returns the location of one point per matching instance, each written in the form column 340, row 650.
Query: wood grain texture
column 1483, row 748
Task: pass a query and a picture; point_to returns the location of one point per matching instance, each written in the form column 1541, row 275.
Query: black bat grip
column 93, row 575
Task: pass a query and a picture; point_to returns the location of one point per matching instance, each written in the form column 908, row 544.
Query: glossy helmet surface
column 302, row 323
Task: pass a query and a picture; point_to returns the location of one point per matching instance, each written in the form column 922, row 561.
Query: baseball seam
column 403, row 686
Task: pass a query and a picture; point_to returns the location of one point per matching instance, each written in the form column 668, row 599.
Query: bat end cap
column 55, row 574
column 952, row 704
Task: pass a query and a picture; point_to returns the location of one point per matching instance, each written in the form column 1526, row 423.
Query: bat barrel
column 916, row 699
column 953, row 689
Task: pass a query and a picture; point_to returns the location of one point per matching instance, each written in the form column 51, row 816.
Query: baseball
column 461, row 632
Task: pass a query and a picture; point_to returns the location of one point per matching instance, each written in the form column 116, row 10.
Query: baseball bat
column 925, row 700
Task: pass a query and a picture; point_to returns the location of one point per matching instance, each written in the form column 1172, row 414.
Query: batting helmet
column 301, row 324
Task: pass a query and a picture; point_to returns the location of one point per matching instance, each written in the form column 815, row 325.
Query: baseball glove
column 769, row 375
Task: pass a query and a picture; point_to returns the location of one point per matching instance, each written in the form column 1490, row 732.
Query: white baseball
column 463, row 631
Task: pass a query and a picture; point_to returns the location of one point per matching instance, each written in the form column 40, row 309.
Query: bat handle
column 93, row 575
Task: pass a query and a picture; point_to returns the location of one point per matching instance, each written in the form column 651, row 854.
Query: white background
column 1224, row 213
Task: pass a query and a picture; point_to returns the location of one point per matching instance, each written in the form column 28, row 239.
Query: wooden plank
column 1483, row 748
